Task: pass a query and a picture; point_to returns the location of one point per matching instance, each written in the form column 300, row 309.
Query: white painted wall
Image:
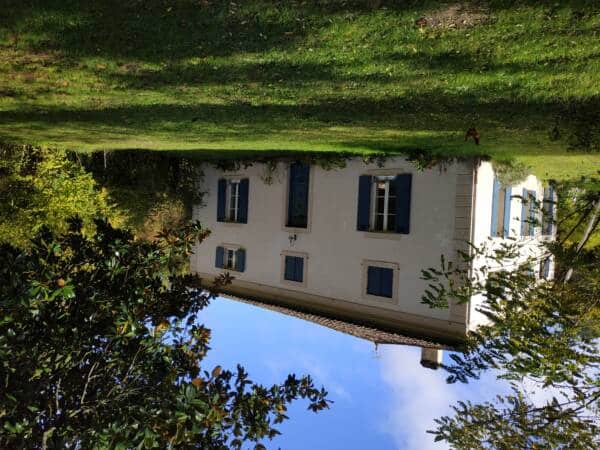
column 531, row 246
column 336, row 249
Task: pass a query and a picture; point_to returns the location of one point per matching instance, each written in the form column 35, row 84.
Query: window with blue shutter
column 500, row 223
column 545, row 268
column 232, row 200
column 380, row 281
column 294, row 268
column 384, row 203
column 298, row 195
column 230, row 258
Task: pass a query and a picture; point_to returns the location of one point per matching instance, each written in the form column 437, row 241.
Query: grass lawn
column 335, row 75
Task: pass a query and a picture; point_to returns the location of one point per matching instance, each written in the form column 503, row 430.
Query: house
column 349, row 244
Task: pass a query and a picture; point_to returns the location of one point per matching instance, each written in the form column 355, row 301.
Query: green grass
column 308, row 76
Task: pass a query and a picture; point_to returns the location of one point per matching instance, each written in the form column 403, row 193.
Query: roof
column 370, row 333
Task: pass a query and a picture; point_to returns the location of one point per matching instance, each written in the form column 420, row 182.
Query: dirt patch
column 456, row 15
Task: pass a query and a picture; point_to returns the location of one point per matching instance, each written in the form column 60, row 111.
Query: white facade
column 448, row 206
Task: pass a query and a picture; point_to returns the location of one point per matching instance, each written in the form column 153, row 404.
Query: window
column 298, row 188
column 230, row 257
column 384, row 203
column 294, row 268
column 500, row 210
column 380, row 281
column 528, row 213
column 232, row 200
column 383, row 212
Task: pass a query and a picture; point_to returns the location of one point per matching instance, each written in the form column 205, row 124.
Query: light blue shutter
column 219, row 257
column 221, row 199
column 507, row 201
column 364, row 202
column 240, row 260
column 495, row 201
column 243, row 201
column 403, row 197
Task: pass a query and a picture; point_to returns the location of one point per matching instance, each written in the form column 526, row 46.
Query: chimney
column 431, row 358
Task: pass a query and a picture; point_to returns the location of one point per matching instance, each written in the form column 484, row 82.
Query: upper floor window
column 232, row 201
column 298, row 189
column 383, row 211
column 500, row 210
column 384, row 203
column 230, row 258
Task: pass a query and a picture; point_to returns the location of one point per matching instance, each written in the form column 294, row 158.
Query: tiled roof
column 369, row 333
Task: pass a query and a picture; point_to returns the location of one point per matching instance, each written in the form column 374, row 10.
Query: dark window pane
column 378, row 222
column 380, row 281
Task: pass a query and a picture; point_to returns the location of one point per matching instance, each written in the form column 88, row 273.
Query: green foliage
column 41, row 187
column 305, row 75
column 100, row 348
column 543, row 333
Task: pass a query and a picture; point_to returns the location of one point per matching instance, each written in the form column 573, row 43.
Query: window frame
column 366, row 263
column 229, row 198
column 304, row 257
column 387, row 179
column 230, row 248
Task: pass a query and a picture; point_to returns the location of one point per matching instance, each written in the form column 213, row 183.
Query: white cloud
column 420, row 395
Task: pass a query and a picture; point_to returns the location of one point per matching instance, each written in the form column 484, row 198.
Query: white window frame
column 229, row 248
column 230, row 197
column 386, row 200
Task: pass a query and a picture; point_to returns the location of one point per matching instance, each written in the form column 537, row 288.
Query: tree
column 99, row 348
column 543, row 333
column 42, row 187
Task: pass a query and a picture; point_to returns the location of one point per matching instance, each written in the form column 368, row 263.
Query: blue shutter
column 219, row 257
column 387, row 282
column 507, row 199
column 364, row 202
column 298, row 195
column 240, row 260
column 524, row 212
column 373, row 280
column 221, row 199
column 299, row 269
column 243, row 201
column 403, row 193
column 495, row 198
column 289, row 269
column 532, row 218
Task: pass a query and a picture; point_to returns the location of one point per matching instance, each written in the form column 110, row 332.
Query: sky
column 383, row 398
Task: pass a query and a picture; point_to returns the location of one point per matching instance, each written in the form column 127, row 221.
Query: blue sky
column 383, row 398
